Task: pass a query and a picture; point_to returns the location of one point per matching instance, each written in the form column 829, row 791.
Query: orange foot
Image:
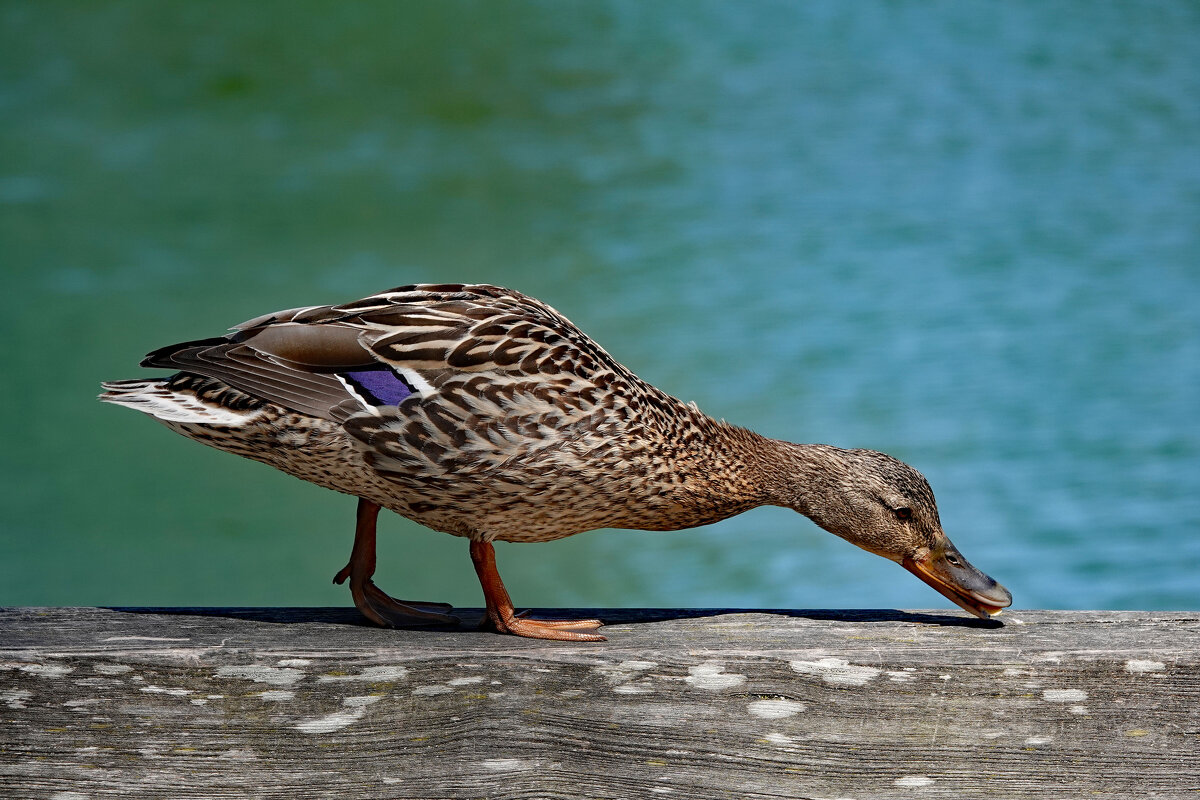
column 503, row 619
column 373, row 602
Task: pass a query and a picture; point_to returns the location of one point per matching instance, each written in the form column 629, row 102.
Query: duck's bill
column 954, row 577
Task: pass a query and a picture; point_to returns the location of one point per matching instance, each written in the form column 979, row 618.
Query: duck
column 481, row 412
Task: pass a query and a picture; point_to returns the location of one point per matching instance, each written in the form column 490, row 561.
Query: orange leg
column 374, row 604
column 500, row 608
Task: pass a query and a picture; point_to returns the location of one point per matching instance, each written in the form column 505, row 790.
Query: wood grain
column 291, row 703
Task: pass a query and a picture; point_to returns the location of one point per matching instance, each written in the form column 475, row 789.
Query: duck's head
column 885, row 506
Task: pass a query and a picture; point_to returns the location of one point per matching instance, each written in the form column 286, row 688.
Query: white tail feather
column 154, row 398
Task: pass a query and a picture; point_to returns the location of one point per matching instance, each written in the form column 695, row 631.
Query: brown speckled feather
column 520, row 427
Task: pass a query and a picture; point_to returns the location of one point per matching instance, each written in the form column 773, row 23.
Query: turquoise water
column 964, row 233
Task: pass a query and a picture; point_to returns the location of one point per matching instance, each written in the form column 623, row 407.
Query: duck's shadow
column 610, row 616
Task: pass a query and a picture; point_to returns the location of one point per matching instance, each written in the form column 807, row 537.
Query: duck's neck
column 804, row 477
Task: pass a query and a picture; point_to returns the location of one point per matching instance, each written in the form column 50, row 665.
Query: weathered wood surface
column 686, row 704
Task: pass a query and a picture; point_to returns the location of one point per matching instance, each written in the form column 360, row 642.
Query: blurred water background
column 965, row 233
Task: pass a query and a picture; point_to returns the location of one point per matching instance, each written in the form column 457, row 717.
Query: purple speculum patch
column 380, row 386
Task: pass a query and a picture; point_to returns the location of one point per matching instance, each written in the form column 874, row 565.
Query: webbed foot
column 500, row 613
column 375, row 604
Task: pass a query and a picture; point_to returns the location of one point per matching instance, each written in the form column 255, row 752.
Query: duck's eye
column 904, row 513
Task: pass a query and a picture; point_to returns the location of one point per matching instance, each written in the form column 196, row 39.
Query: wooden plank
column 688, row 704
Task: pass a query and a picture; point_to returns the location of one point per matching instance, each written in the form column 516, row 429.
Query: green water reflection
column 963, row 233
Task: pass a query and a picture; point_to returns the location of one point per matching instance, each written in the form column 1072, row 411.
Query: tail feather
column 158, row 399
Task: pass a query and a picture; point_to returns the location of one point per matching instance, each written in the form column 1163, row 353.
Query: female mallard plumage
column 484, row 413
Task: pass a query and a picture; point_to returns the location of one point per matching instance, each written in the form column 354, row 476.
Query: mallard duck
column 484, row 413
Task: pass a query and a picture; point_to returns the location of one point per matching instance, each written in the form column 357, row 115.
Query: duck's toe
column 388, row 612
column 567, row 630
column 565, row 624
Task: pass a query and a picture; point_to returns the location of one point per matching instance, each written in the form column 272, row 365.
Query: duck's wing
column 295, row 365
column 459, row 330
column 498, row 376
column 475, row 353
